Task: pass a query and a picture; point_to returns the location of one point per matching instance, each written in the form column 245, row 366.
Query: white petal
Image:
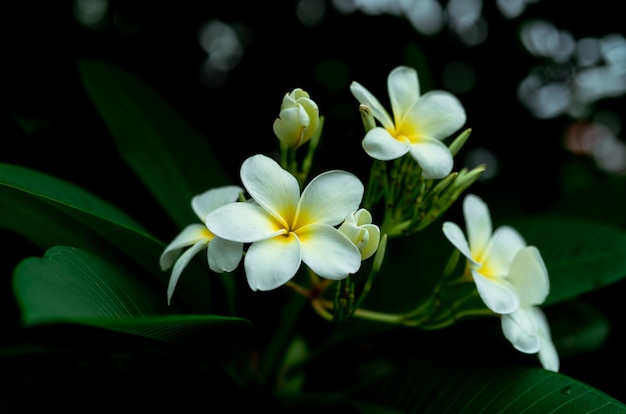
column 203, row 204
column 224, row 255
column 273, row 262
column 548, row 355
column 329, row 198
column 520, row 329
column 372, row 243
column 477, row 222
column 498, row 295
column 271, row 187
column 180, row 265
column 366, row 98
column 243, row 222
column 455, row 235
column 529, row 276
column 189, row 236
column 380, row 145
column 437, row 114
column 328, row 253
column 404, row 90
column 433, row 156
column 362, row 216
column 504, row 245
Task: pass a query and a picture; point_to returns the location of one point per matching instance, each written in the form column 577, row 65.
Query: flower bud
column 359, row 229
column 298, row 119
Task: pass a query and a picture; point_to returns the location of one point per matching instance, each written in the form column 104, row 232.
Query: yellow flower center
column 406, row 131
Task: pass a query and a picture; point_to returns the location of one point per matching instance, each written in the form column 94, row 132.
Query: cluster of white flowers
column 275, row 222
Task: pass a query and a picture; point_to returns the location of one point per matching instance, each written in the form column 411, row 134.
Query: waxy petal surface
column 329, row 198
column 477, row 222
column 327, row 252
column 433, row 156
column 529, row 276
column 456, row 236
column 189, row 236
column 271, row 187
column 224, row 255
column 520, row 329
column 243, row 222
column 437, row 114
column 380, row 145
column 203, row 204
column 273, row 262
column 404, row 90
column 181, row 264
column 497, row 294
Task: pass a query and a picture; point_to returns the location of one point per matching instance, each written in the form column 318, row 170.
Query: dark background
column 47, row 121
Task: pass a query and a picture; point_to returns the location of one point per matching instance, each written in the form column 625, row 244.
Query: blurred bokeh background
column 543, row 83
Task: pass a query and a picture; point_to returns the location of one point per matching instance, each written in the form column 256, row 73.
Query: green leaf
column 70, row 285
column 420, row 387
column 48, row 211
column 581, row 256
column 167, row 153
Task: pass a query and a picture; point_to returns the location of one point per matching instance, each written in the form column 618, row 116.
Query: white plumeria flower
column 359, row 229
column 419, row 123
column 489, row 255
column 286, row 227
column 298, row 119
column 222, row 255
column 527, row 328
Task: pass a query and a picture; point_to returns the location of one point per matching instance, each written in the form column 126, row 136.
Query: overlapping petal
column 273, row 188
column 327, row 252
column 433, row 157
column 520, row 328
column 222, row 255
column 379, row 144
column 548, row 355
column 190, row 235
column 404, row 90
column 455, row 235
column 477, row 221
column 272, row 262
column 498, row 294
column 529, row 276
column 202, row 204
column 437, row 114
column 329, row 198
column 181, row 264
column 244, row 222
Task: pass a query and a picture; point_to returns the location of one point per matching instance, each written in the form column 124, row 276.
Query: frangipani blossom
column 527, row 328
column 286, row 227
column 298, row 119
column 490, row 255
column 418, row 125
column 359, row 229
column 222, row 255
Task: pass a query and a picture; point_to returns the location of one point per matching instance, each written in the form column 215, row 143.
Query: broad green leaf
column 468, row 387
column 70, row 285
column 581, row 256
column 577, row 327
column 167, row 153
column 48, row 211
